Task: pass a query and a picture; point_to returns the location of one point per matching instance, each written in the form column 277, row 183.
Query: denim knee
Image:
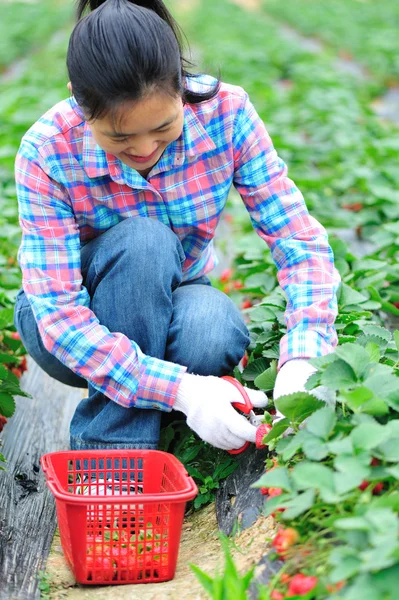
column 207, row 333
column 141, row 243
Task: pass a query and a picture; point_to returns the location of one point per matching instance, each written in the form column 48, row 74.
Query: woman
column 120, row 190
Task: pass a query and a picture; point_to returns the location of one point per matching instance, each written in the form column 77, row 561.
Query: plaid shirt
column 70, row 191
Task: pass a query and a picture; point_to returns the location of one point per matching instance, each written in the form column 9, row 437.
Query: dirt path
column 199, row 545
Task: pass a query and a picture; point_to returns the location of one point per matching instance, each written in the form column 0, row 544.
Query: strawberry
column 246, row 304
column 238, row 285
column 336, row 587
column 275, row 595
column 275, row 492
column 15, row 335
column 284, row 539
column 23, row 366
column 285, row 578
column 377, row 489
column 260, row 434
column 301, row 584
column 355, row 207
column 226, row 275
column 244, row 360
column 3, row 421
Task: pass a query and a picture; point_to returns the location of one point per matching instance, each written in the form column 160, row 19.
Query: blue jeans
column 133, row 273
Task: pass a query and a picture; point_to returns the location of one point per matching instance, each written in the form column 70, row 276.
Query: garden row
column 332, row 485
column 366, row 31
column 26, row 94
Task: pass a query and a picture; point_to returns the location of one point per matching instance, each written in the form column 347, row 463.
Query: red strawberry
column 244, row 360
column 23, row 366
column 275, row 595
column 238, row 285
column 15, row 335
column 246, row 304
column 284, row 539
column 355, row 207
column 3, row 421
column 260, row 434
column 226, row 275
column 301, row 584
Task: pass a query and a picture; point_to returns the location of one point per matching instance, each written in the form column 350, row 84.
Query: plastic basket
column 120, row 512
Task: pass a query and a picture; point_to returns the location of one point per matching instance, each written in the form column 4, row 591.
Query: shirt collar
column 193, row 141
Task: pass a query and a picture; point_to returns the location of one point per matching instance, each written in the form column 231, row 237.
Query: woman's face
column 145, row 128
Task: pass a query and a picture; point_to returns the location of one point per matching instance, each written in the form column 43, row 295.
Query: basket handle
column 45, row 464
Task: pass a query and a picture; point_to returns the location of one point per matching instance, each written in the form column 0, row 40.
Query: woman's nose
column 144, row 148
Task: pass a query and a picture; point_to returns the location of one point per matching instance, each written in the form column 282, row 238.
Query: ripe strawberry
column 24, row 365
column 355, row 207
column 273, row 491
column 3, row 421
column 17, row 372
column 238, row 285
column 260, row 434
column 336, row 587
column 301, row 584
column 15, row 335
column 226, row 275
column 285, row 578
column 284, row 539
column 246, row 304
column 244, row 360
column 377, row 489
column 275, row 595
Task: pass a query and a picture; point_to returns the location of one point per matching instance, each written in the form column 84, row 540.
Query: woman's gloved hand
column 292, row 378
column 207, row 403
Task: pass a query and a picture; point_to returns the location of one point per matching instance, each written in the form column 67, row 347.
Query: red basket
column 120, row 512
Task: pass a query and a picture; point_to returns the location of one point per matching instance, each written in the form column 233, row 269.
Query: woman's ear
column 69, row 86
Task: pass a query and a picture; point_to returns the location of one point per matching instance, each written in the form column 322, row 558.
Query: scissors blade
column 254, row 419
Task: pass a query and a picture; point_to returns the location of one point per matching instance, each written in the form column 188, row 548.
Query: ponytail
column 121, row 50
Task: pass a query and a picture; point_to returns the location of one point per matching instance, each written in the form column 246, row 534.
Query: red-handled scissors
column 246, row 408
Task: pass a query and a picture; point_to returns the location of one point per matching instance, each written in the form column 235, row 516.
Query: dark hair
column 122, row 50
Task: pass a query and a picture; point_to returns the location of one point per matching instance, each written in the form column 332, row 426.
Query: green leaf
column 308, row 475
column 376, row 330
column 322, row 422
column 396, row 338
column 345, row 482
column 348, row 296
column 3, row 373
column 297, row 407
column 278, row 477
column 338, row 375
column 255, row 368
column 277, row 430
column 266, row 380
column 373, row 351
column 298, row 505
column 314, row 448
column 356, row 357
column 340, row 446
column 7, row 405
column 359, row 523
column 293, row 444
column 205, row 580
column 369, row 435
column 356, row 466
column 390, row 449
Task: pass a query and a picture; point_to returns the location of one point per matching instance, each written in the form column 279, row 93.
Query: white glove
column 206, row 401
column 292, row 378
